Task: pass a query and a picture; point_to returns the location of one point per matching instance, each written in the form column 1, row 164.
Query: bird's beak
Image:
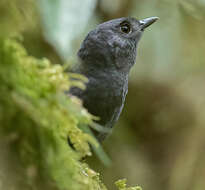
column 147, row 22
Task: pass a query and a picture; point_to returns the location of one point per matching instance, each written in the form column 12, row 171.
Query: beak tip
column 148, row 21
column 155, row 17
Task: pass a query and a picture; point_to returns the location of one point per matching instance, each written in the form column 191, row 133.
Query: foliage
column 36, row 118
column 63, row 21
column 121, row 184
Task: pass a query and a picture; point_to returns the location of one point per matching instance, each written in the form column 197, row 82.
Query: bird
column 106, row 57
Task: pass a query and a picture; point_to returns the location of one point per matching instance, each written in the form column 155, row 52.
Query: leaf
column 63, row 21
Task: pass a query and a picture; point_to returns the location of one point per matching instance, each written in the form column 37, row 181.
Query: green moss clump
column 36, row 118
column 121, row 184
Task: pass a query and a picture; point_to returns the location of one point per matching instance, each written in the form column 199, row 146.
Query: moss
column 121, row 184
column 36, row 118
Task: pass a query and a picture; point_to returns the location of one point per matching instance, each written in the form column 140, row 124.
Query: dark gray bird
column 106, row 57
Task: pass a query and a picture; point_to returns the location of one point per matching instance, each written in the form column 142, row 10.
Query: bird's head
column 113, row 44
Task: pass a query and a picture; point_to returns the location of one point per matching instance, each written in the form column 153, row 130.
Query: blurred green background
column 159, row 142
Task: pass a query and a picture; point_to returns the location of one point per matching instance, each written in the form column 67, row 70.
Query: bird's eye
column 125, row 27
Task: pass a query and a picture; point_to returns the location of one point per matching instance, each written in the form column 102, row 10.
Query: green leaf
column 63, row 21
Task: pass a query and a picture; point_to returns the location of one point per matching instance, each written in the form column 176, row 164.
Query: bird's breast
column 104, row 97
